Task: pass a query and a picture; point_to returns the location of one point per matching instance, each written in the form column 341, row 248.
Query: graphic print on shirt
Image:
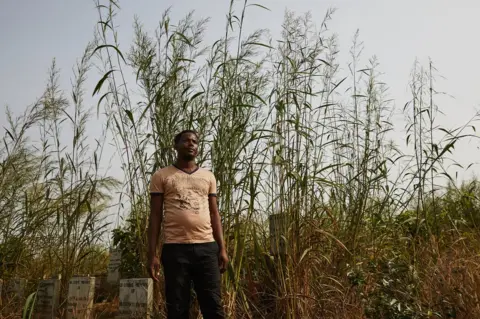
column 188, row 192
column 187, row 201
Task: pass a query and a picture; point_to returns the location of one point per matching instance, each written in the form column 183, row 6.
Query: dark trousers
column 184, row 263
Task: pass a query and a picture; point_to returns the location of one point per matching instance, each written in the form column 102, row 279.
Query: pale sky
column 33, row 32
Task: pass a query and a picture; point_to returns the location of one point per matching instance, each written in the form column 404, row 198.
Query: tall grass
column 54, row 197
column 286, row 133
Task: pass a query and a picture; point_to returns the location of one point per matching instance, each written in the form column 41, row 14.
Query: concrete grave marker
column 15, row 288
column 136, row 298
column 80, row 297
column 113, row 275
column 48, row 294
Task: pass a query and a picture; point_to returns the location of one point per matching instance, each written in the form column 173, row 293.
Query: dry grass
column 373, row 233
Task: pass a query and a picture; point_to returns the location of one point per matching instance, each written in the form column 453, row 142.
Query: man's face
column 187, row 147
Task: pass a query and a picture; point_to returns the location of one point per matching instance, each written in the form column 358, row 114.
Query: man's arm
column 155, row 222
column 218, row 232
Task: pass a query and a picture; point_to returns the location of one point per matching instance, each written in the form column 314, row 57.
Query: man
column 183, row 197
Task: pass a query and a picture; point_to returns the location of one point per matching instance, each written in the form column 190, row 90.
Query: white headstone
column 136, row 298
column 113, row 275
column 46, row 304
column 80, row 297
column 16, row 288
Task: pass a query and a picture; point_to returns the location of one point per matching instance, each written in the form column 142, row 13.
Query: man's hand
column 156, row 216
column 154, row 267
column 223, row 260
column 218, row 233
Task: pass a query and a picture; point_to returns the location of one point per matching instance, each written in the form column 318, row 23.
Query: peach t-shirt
column 186, row 213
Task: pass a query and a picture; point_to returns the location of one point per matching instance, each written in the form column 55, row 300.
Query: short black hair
column 178, row 137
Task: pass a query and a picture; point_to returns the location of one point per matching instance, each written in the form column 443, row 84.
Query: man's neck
column 185, row 164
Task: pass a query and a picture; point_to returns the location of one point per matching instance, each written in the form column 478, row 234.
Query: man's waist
column 175, row 240
column 180, row 244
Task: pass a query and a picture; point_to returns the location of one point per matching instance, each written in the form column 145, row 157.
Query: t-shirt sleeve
column 213, row 186
column 156, row 184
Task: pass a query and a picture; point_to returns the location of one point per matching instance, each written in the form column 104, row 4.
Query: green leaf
column 103, row 46
column 258, row 97
column 98, row 87
column 186, row 60
column 196, row 95
column 260, row 44
column 444, row 130
column 120, row 132
column 28, row 308
column 448, row 176
column 105, row 25
column 10, row 134
column 68, row 115
column 114, row 3
column 334, row 238
column 447, row 148
column 258, row 5
column 100, row 101
column 95, row 160
column 184, row 38
column 305, row 254
column 130, row 115
column 338, row 84
column 325, row 62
